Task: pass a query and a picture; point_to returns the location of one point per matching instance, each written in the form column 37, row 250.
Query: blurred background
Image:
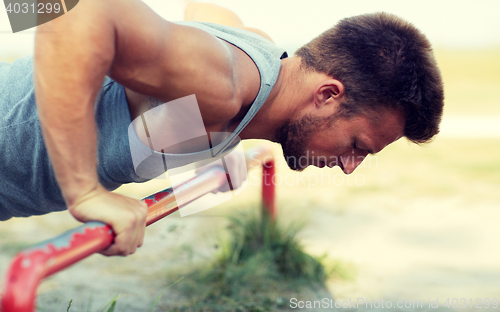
column 411, row 223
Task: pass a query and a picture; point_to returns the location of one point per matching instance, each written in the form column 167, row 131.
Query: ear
column 329, row 91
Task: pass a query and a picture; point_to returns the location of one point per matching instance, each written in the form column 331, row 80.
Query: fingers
column 129, row 230
column 126, row 216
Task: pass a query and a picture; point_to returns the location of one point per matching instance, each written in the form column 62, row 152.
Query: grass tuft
column 110, row 307
column 259, row 239
column 259, row 266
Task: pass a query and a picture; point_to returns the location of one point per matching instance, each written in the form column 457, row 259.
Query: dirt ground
column 434, row 240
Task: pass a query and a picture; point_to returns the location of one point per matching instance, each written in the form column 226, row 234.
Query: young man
column 355, row 89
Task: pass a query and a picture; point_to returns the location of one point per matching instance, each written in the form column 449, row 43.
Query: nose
column 352, row 161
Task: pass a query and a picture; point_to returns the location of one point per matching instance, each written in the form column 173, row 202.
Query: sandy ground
column 418, row 249
column 403, row 247
column 424, row 250
column 137, row 279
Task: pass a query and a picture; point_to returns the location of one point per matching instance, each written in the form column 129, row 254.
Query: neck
column 287, row 96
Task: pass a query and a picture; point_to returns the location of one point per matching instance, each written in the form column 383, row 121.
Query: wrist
column 75, row 195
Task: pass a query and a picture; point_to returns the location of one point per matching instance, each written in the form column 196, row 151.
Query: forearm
column 72, row 55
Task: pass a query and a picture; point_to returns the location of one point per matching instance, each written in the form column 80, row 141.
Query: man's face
column 339, row 142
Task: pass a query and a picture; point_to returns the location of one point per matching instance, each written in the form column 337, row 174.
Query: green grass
column 261, row 264
column 111, row 305
column 258, row 268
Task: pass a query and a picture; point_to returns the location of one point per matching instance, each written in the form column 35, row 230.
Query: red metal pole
column 263, row 157
column 30, row 266
column 268, row 189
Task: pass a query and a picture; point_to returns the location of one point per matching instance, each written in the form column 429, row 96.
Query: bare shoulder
column 193, row 61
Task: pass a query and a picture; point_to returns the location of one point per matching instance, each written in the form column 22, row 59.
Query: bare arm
column 128, row 41
column 72, row 55
column 66, row 90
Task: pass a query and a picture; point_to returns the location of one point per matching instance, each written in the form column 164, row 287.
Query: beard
column 294, row 136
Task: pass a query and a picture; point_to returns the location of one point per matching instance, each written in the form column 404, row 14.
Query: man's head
column 338, row 140
column 382, row 61
column 378, row 68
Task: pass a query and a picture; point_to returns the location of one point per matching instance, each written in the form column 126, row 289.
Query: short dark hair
column 383, row 61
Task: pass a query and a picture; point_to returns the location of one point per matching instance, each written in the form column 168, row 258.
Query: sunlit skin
column 308, row 95
column 338, row 141
column 348, row 141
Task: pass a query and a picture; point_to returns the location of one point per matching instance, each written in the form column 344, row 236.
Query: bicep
column 139, row 33
column 196, row 62
column 184, row 60
column 196, row 58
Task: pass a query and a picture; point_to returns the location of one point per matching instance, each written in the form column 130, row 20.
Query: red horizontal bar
column 30, row 266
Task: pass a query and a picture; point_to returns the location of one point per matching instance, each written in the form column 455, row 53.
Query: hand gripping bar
column 30, row 266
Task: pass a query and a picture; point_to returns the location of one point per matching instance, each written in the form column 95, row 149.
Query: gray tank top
column 27, row 181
